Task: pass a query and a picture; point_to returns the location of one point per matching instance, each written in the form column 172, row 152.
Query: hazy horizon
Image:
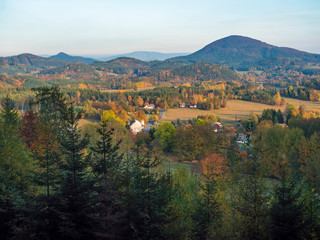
column 102, row 28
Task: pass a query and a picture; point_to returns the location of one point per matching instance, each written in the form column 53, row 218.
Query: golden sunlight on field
column 236, row 109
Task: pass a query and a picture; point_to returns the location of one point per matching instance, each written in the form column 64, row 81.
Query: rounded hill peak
column 236, row 41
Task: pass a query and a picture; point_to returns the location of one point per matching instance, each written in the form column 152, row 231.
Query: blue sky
column 102, row 27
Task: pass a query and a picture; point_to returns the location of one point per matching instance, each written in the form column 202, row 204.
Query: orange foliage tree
column 213, row 166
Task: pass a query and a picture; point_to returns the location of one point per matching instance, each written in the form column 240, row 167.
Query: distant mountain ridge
column 144, row 56
column 31, row 60
column 235, row 51
column 241, row 53
column 66, row 57
column 26, row 63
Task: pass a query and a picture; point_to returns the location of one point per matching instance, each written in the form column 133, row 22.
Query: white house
column 193, row 106
column 137, row 126
column 149, row 107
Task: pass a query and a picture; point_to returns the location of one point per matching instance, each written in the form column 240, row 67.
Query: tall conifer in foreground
column 286, row 212
column 15, row 168
column 75, row 190
column 107, row 168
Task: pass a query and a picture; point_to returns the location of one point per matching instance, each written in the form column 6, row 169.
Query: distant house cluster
column 183, row 105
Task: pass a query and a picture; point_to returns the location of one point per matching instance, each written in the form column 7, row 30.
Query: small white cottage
column 137, row 126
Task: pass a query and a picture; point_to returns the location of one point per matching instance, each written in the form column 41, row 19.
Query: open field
column 308, row 104
column 236, row 110
column 83, row 121
column 126, row 90
column 172, row 166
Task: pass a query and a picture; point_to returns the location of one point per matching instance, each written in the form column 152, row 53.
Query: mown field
column 126, row 90
column 236, row 109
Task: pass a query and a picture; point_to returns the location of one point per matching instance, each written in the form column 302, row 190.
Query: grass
column 172, row 166
column 84, row 121
column 236, row 109
column 126, row 90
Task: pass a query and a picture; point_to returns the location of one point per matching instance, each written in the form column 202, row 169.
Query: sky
column 105, row 27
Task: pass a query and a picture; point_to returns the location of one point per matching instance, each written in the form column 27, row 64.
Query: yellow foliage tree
column 82, row 86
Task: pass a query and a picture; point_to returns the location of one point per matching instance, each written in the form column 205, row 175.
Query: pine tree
column 41, row 131
column 207, row 215
column 15, row 168
column 249, row 197
column 107, row 167
column 52, row 106
column 75, row 191
column 149, row 193
column 286, row 212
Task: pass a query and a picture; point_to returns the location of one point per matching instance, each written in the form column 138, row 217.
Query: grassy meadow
column 236, row 109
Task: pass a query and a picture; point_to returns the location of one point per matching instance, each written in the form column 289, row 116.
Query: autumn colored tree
column 277, row 99
column 28, row 129
column 52, row 104
column 213, row 166
column 140, row 115
column 110, row 115
column 207, row 215
column 291, row 111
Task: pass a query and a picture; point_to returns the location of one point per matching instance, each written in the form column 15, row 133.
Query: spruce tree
column 15, row 168
column 207, row 215
column 109, row 215
column 148, row 197
column 42, row 131
column 76, row 186
column 249, row 197
column 51, row 105
column 286, row 212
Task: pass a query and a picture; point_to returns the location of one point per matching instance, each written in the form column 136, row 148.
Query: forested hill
column 238, row 51
column 27, row 63
column 145, row 56
column 31, row 60
column 65, row 57
column 196, row 72
column 74, row 69
column 154, row 71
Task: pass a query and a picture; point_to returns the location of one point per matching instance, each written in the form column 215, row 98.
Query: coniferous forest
column 62, row 180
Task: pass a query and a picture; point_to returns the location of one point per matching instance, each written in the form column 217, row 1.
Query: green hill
column 235, row 51
column 196, row 72
column 65, row 57
column 25, row 63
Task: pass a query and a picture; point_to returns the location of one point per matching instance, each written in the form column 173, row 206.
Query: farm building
column 193, row 106
column 182, row 105
column 217, row 126
column 149, row 107
column 137, row 126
